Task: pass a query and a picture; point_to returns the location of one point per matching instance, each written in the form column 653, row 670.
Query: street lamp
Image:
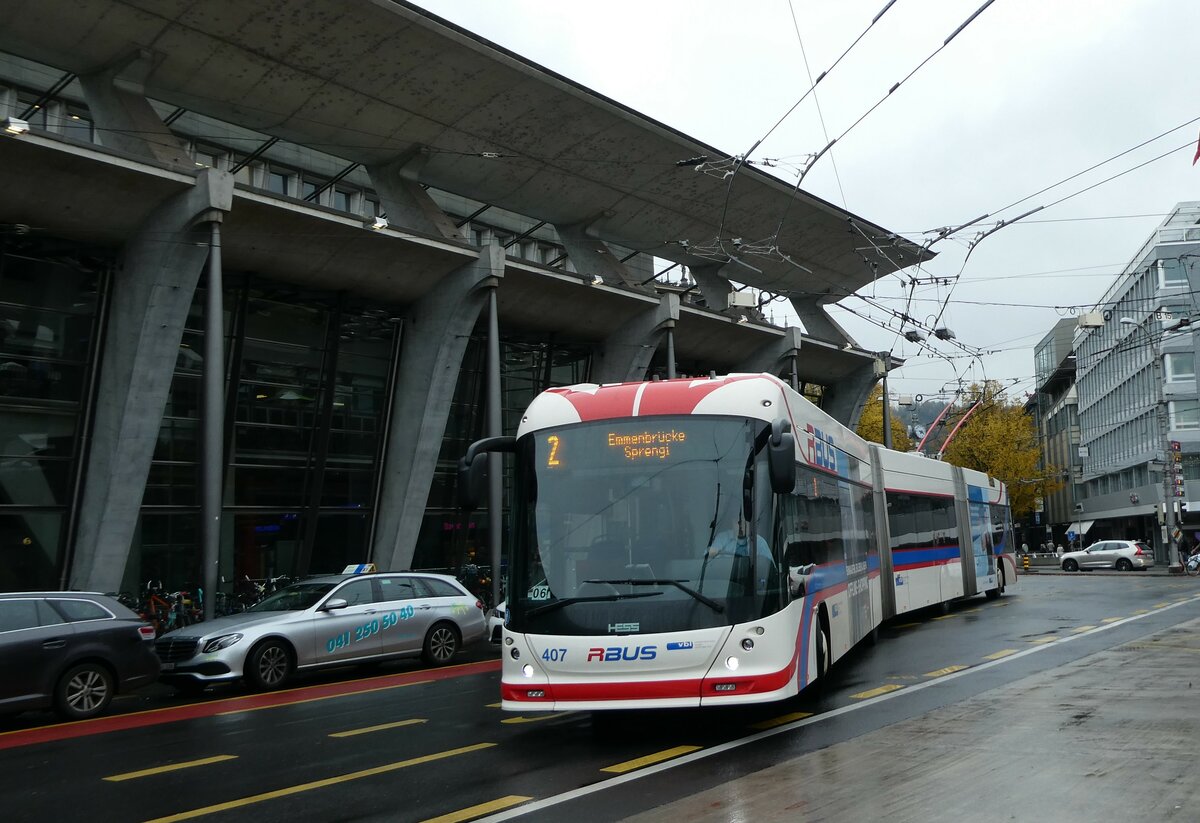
column 1163, row 424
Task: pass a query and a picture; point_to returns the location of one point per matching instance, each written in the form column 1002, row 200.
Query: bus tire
column 994, row 594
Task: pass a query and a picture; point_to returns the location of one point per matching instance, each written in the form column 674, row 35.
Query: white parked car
column 1122, row 555
column 326, row 621
column 495, row 622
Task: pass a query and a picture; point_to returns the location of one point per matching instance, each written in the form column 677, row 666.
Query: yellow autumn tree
column 870, row 425
column 1001, row 440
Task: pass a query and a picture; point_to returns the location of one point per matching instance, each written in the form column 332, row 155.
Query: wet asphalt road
column 407, row 746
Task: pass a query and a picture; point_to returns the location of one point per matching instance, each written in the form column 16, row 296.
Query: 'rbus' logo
column 614, row 654
column 821, row 449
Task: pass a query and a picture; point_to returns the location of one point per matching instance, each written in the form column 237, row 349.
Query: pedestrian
column 1058, row 549
column 1024, row 548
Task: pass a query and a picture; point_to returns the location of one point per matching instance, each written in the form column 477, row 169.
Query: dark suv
column 71, row 651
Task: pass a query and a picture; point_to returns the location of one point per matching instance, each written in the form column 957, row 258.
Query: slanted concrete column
column 714, row 286
column 774, row 355
column 406, row 204
column 845, row 399
column 436, row 332
column 627, row 352
column 817, row 322
column 592, row 257
column 124, row 119
column 151, row 296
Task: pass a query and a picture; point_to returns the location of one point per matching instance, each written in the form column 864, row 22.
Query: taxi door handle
column 56, row 643
column 425, row 606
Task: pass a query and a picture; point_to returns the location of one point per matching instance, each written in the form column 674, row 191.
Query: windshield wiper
column 603, row 598
column 643, row 581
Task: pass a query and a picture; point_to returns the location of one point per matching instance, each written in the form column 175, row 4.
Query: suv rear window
column 77, row 610
column 18, row 614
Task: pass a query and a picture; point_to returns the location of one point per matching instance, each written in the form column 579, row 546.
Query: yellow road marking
column 1160, row 605
column 1079, row 629
column 999, row 654
column 355, row 732
column 781, row 720
column 319, row 784
column 549, row 716
column 494, row 705
column 945, row 671
column 1111, row 619
column 173, row 767
column 316, row 699
column 1050, row 638
column 650, row 759
column 1141, row 611
column 480, row 810
column 890, row 687
column 907, row 626
column 946, row 616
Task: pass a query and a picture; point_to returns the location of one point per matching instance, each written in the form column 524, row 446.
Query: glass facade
column 48, row 308
column 306, row 406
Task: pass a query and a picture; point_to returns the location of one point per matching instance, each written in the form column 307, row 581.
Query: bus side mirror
column 781, row 457
column 472, row 469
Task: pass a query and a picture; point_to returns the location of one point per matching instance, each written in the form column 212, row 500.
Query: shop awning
column 1080, row 527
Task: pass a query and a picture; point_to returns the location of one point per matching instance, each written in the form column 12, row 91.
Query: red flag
column 1197, row 157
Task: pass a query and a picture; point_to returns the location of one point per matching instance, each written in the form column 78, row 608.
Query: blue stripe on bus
column 910, row 557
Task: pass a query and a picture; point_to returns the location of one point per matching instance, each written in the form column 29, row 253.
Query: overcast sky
column 1031, row 92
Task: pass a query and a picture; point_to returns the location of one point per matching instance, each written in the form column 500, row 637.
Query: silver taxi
column 326, row 621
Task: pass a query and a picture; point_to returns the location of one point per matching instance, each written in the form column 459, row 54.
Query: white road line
column 613, row 782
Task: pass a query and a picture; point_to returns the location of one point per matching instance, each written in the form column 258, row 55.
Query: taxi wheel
column 441, row 644
column 269, row 665
column 1123, row 565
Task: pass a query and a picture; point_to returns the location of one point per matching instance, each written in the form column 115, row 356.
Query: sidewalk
column 1101, row 738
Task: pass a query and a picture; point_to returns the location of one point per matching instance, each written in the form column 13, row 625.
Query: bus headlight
column 527, row 670
column 731, row 663
column 515, row 653
column 747, row 644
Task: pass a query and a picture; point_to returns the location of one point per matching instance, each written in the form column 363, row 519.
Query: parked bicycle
column 1191, row 564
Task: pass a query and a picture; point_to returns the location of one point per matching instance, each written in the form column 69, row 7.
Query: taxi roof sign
column 359, row 568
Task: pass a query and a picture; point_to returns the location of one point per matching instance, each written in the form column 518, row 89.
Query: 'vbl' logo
column 821, row 450
column 613, row 654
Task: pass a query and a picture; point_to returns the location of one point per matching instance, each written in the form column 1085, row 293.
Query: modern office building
column 399, row 215
column 1137, row 394
column 1055, row 407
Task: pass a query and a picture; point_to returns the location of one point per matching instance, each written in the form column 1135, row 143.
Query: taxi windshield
column 294, row 598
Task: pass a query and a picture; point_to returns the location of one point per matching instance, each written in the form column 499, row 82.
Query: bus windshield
column 638, row 526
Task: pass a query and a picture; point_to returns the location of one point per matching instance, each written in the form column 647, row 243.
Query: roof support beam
column 592, row 256
column 627, row 353
column 817, row 322
column 124, row 119
column 405, row 202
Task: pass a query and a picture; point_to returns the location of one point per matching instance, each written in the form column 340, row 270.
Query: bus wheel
column 993, row 594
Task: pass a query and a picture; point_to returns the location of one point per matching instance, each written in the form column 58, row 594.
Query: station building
column 399, row 214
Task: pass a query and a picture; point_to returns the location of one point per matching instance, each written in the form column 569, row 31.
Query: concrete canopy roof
column 372, row 80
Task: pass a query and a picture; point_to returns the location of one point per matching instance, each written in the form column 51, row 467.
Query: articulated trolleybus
column 718, row 541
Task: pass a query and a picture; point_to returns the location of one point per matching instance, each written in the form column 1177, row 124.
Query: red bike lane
column 230, row 705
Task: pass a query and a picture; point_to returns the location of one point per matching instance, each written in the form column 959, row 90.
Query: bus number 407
column 554, row 655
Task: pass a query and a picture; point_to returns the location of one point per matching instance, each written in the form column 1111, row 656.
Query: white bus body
column 653, row 566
